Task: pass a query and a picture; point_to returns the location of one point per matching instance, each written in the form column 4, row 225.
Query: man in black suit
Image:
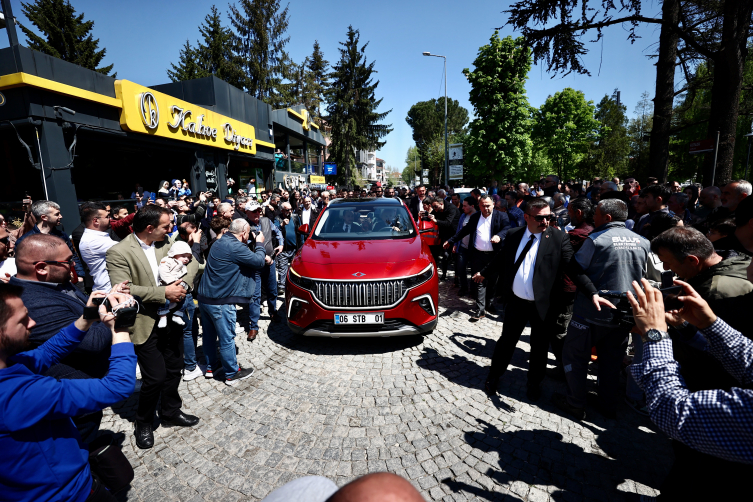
column 487, row 229
column 347, row 225
column 308, row 213
column 446, row 216
column 533, row 260
column 415, row 205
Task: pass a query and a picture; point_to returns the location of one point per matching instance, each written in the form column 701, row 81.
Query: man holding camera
column 159, row 350
column 43, row 456
column 612, row 257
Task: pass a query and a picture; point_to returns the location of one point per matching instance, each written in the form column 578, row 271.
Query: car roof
column 386, row 201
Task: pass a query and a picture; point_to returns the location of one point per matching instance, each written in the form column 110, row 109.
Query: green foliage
column 637, row 131
column 65, row 35
column 352, row 108
column 310, row 82
column 608, row 155
column 188, row 65
column 499, row 142
column 259, row 44
column 426, row 118
column 564, row 126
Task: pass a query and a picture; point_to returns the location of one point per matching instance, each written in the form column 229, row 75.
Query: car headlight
column 299, row 281
column 417, row 280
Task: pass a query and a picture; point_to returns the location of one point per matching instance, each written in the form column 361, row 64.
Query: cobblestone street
column 344, row 407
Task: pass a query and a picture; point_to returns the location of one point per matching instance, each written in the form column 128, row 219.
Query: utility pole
column 446, row 144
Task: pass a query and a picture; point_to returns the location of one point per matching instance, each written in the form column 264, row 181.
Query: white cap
column 179, row 247
column 252, row 206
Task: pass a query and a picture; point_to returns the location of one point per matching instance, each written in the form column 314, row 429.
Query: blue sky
column 143, row 37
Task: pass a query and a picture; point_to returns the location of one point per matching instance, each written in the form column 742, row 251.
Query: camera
column 125, row 317
column 624, row 311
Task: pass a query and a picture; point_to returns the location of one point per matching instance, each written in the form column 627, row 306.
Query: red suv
column 363, row 271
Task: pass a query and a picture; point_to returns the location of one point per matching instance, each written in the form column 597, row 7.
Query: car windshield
column 364, row 221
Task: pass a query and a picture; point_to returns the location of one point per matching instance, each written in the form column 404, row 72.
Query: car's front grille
column 359, row 294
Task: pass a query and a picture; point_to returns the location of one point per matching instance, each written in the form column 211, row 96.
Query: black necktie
column 522, row 256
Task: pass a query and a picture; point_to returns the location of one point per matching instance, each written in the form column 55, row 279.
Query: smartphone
column 669, row 295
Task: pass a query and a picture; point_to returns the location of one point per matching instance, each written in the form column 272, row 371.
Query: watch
column 654, row 335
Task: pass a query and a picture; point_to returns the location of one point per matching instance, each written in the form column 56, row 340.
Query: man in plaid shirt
column 714, row 422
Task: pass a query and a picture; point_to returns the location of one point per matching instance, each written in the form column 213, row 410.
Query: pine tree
column 188, row 67
column 352, row 108
column 65, row 35
column 215, row 53
column 319, row 80
column 259, row 42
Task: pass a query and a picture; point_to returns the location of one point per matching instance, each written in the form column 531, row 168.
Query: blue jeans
column 267, row 278
column 218, row 322
column 190, row 334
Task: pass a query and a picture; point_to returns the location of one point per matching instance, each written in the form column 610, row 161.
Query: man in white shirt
column 95, row 242
column 7, row 264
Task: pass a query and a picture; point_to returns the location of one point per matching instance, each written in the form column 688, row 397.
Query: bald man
column 376, row 487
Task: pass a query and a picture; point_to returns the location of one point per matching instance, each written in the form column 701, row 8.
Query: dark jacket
column 500, row 226
column 552, row 259
column 447, row 221
column 415, row 206
column 194, row 217
column 314, row 214
column 726, row 288
column 55, row 306
column 577, row 235
column 229, row 273
column 284, row 228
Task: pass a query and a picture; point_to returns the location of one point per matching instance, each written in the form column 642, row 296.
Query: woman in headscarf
column 164, row 189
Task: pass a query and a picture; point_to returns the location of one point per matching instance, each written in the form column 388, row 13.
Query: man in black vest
column 487, row 229
column 533, row 260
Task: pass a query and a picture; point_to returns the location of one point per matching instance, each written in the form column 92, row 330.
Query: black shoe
column 557, row 373
column 476, row 317
column 490, row 387
column 181, row 420
column 560, row 401
column 280, row 291
column 492, row 310
column 144, row 436
column 533, row 393
column 242, row 374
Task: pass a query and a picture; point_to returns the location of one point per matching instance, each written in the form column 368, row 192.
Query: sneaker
column 179, row 320
column 192, row 375
column 162, row 322
column 208, row 374
column 242, row 374
column 637, row 406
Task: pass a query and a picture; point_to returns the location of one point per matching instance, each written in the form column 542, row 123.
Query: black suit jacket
column 552, row 261
column 447, row 221
column 312, row 218
column 415, row 206
column 500, row 226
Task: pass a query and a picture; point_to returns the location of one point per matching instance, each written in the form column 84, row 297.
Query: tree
column 564, row 125
column 188, row 67
column 317, row 67
column 65, row 35
column 352, row 107
column 259, row 43
column 215, row 51
column 638, row 132
column 608, row 155
column 692, row 32
column 499, row 141
column 426, row 118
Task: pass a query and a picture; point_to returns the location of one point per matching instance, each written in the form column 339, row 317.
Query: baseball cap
column 252, row 206
column 744, row 211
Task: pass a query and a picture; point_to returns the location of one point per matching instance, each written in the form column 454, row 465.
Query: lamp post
column 446, row 146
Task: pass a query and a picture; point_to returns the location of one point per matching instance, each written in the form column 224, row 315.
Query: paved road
column 342, row 408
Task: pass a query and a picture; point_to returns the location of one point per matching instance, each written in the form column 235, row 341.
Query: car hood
column 378, row 259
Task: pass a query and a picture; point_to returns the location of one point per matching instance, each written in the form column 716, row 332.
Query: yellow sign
column 150, row 112
column 319, row 180
column 306, row 121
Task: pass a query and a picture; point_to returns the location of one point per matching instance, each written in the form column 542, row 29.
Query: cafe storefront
column 299, row 149
column 70, row 134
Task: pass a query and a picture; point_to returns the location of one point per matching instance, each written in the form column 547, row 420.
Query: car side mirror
column 304, row 229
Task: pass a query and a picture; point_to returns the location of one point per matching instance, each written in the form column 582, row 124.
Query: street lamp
column 446, row 147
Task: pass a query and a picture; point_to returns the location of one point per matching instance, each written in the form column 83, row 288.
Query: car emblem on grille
column 358, row 274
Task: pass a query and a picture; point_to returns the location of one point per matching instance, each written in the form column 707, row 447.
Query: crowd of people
column 560, row 257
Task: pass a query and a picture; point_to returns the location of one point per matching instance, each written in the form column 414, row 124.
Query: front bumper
column 307, row 317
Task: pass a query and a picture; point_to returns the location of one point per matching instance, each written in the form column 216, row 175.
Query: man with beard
column 44, row 457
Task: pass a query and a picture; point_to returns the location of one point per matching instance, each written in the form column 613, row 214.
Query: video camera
column 624, row 311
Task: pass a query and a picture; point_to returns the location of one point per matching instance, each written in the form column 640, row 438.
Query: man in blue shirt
column 43, row 457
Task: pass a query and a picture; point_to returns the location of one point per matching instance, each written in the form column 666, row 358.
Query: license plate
column 372, row 318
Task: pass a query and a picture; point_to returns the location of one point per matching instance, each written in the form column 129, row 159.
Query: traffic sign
column 456, row 172
column 701, row 146
column 329, row 168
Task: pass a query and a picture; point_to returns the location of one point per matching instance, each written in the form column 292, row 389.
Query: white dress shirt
column 305, row 216
column 151, row 257
column 93, row 246
column 484, row 233
column 522, row 285
column 347, row 227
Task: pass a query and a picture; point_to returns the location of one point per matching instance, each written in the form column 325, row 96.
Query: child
column 171, row 268
column 721, row 229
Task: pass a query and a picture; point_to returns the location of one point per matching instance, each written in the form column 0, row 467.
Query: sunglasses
column 539, row 217
column 70, row 262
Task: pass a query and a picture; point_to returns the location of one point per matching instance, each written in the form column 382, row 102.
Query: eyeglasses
column 541, row 217
column 70, row 262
